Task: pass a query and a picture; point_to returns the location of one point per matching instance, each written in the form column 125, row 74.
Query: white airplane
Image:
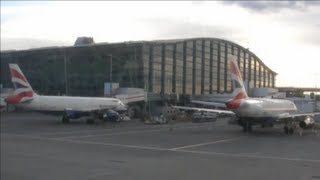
column 259, row 111
column 70, row 107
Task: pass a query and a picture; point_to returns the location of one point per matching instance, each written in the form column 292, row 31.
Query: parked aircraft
column 259, row 111
column 70, row 107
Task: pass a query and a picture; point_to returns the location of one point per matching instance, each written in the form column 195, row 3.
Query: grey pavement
column 36, row 146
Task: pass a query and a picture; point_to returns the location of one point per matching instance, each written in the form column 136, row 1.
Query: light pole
column 65, row 72
column 110, row 55
column 315, row 93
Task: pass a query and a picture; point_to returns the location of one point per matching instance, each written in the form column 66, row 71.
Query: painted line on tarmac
column 135, row 130
column 169, row 150
column 115, row 128
column 90, row 131
column 250, row 156
column 207, row 143
column 86, row 142
column 111, row 134
column 139, row 130
column 113, row 144
column 81, row 131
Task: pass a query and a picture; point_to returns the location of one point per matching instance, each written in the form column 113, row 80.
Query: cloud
column 178, row 29
column 172, row 28
column 200, row 2
column 277, row 38
column 272, row 6
column 311, row 38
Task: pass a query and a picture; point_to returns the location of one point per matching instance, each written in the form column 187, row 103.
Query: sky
column 285, row 35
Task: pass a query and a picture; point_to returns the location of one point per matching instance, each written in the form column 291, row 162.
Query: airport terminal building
column 163, row 68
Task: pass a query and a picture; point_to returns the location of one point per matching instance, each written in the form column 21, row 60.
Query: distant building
column 163, row 68
column 81, row 41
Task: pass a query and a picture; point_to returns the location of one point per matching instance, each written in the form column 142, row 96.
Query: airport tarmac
column 37, row 147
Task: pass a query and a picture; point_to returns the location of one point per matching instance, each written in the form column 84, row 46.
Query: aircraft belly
column 250, row 112
column 57, row 104
column 272, row 113
column 54, row 104
column 28, row 106
column 50, row 106
column 258, row 114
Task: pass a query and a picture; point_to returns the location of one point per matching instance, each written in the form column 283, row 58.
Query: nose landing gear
column 288, row 130
column 246, row 125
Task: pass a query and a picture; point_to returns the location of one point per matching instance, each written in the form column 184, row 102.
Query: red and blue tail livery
column 70, row 107
column 239, row 91
column 264, row 112
column 22, row 90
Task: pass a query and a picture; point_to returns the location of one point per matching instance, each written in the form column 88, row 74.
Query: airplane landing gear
column 90, row 121
column 65, row 119
column 247, row 126
column 288, row 131
column 91, row 118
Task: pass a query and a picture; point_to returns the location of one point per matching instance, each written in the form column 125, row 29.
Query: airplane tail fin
column 239, row 92
column 22, row 89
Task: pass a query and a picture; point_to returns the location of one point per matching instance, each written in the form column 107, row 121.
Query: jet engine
column 71, row 114
column 308, row 122
column 111, row 115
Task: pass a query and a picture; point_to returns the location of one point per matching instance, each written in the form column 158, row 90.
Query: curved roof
column 153, row 42
column 217, row 39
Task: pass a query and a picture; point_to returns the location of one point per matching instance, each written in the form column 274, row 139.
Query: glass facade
column 207, row 66
column 214, row 71
column 179, row 68
column 200, row 66
column 190, row 67
column 78, row 71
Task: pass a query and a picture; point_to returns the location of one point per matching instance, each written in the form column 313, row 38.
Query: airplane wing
column 208, row 103
column 101, row 110
column 297, row 116
column 305, row 120
column 204, row 110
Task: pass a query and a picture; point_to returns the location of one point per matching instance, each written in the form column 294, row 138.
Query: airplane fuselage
column 62, row 103
column 264, row 108
column 259, row 111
